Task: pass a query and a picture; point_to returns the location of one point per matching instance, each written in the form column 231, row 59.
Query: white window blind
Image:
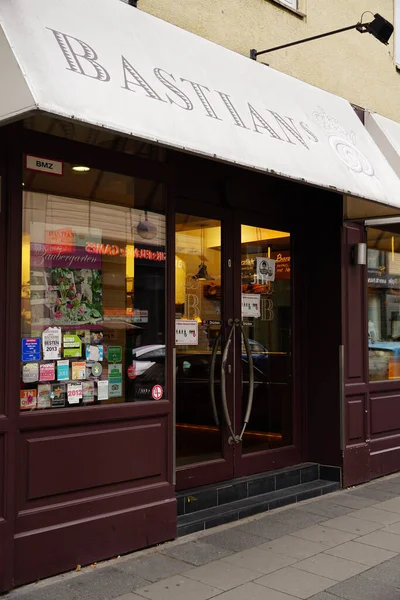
column 290, row 3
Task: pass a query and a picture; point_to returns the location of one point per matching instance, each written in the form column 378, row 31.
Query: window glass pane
column 267, row 321
column 198, row 305
column 93, row 290
column 384, row 303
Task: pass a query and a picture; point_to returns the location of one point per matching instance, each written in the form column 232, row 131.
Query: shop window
column 384, row 303
column 93, row 289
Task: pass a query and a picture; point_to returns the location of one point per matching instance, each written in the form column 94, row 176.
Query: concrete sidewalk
column 343, row 545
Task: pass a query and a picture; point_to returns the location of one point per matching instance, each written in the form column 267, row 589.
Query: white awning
column 386, row 134
column 104, row 63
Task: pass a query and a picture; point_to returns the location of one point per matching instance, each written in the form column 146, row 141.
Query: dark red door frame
column 220, row 469
column 10, row 275
column 234, row 463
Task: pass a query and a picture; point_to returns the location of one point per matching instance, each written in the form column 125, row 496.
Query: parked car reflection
column 193, row 399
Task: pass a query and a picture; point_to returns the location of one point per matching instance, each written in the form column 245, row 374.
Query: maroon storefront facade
column 69, row 493
column 206, row 322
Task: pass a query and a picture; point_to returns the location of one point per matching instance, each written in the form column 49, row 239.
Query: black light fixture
column 202, row 274
column 380, row 28
column 133, row 3
column 146, row 229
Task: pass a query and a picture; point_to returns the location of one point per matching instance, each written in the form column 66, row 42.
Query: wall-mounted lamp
column 379, row 27
column 359, row 254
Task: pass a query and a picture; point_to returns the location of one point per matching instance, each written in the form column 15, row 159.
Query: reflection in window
column 384, row 303
column 93, row 294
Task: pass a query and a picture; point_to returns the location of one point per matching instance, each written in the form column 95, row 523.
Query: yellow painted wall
column 353, row 65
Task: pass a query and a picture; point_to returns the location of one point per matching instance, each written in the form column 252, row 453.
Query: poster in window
column 65, row 279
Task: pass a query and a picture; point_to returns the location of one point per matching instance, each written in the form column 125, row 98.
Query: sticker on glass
column 87, row 392
column 44, row 390
column 102, row 389
column 78, row 370
column 58, row 395
column 72, row 346
column 28, row 399
column 186, row 333
column 30, row 372
column 265, row 269
column 62, row 370
column 94, row 353
column 51, row 342
column 251, row 305
column 97, row 369
column 47, row 372
column 74, row 393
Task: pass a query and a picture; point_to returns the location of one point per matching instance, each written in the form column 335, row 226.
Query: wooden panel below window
column 48, row 551
column 385, row 413
column 355, row 421
column 67, row 460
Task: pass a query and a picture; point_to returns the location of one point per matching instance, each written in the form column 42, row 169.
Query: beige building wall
column 353, row 65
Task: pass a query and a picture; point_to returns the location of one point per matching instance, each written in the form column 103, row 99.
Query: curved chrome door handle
column 212, row 377
column 251, row 381
column 233, row 439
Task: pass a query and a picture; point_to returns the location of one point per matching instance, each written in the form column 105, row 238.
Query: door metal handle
column 233, row 439
column 251, row 380
column 212, row 377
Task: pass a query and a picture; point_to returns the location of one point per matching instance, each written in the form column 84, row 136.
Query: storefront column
column 356, row 457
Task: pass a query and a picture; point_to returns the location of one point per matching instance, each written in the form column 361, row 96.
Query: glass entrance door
column 263, row 359
column 233, row 321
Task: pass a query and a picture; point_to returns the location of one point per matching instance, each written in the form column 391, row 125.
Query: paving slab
column 153, row 567
column 372, row 493
column 234, row 539
column 268, row 528
column 392, row 505
column 351, row 500
column 352, row 525
column 376, row 515
column 178, row 588
column 325, row 535
column 295, row 582
column 252, row 591
column 129, row 597
column 381, row 539
column 324, row 596
column 395, row 528
column 361, row 553
column 104, row 584
column 196, row 553
column 262, row 561
column 295, row 547
column 326, row 508
column 222, row 575
column 333, row 567
column 298, row 518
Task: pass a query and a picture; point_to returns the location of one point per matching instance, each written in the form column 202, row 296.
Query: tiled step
column 226, row 492
column 239, row 509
